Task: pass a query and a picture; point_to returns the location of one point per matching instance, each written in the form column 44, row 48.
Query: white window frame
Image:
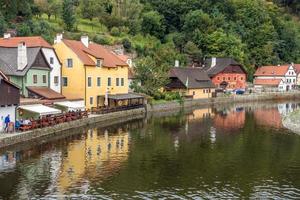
column 72, row 64
column 63, row 83
column 89, row 78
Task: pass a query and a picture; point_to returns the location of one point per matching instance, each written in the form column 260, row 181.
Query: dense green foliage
column 254, row 32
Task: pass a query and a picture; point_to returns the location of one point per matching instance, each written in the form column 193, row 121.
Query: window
column 51, row 60
column 44, row 79
column 229, row 78
column 99, row 63
column 223, row 78
column 204, row 91
column 108, row 81
column 69, row 62
column 35, row 79
column 98, row 81
column 218, row 78
column 242, row 78
column 89, row 81
column 122, row 81
column 56, row 80
column 117, row 81
column 194, row 93
column 235, row 78
column 65, row 81
column 91, row 100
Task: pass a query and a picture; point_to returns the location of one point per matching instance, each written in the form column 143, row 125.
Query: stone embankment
column 123, row 116
column 224, row 100
column 292, row 121
column 107, row 119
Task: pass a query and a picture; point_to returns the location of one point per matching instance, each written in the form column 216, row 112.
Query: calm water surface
column 237, row 151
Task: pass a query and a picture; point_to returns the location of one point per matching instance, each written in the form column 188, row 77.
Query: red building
column 226, row 73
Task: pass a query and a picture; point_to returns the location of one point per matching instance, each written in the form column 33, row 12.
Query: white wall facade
column 289, row 80
column 4, row 111
column 56, row 69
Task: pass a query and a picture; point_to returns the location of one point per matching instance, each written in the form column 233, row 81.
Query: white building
column 55, row 74
column 9, row 100
column 279, row 78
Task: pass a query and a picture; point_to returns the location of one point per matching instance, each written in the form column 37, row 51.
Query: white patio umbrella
column 106, row 98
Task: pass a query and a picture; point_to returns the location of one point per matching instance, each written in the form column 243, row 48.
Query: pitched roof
column 45, row 92
column 34, row 41
column 272, row 70
column 269, row 82
column 9, row 61
column 109, row 58
column 95, row 50
column 194, row 77
column 4, row 78
column 297, row 68
column 221, row 64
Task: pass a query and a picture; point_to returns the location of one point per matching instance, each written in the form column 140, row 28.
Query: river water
column 234, row 151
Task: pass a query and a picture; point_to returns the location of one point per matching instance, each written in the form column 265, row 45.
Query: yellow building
column 190, row 82
column 89, row 71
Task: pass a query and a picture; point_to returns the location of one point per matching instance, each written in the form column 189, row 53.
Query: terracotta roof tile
column 95, row 50
column 272, row 70
column 46, row 93
column 270, row 82
column 110, row 59
column 34, row 41
column 297, row 68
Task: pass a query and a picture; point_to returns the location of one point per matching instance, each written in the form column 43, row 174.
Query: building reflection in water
column 230, row 119
column 99, row 155
column 272, row 116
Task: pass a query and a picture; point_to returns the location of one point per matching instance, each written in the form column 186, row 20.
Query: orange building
column 226, row 73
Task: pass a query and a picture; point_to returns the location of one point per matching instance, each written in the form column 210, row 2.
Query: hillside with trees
column 254, row 32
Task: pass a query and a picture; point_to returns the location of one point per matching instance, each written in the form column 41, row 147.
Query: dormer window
column 99, row 63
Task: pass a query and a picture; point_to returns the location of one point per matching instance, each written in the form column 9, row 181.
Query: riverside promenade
column 123, row 116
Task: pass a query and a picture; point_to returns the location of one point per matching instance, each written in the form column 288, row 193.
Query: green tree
column 152, row 23
column 150, row 77
column 68, row 14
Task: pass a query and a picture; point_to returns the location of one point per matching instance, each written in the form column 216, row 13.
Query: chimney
column 6, row 36
column 85, row 40
column 213, row 62
column 176, row 63
column 22, row 56
column 58, row 38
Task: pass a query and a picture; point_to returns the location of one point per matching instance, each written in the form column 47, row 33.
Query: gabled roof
column 4, row 78
column 9, row 61
column 268, row 82
column 95, row 50
column 272, row 70
column 191, row 78
column 45, row 93
column 221, row 64
column 34, row 41
column 297, row 68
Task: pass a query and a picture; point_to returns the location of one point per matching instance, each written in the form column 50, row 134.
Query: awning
column 124, row 96
column 45, row 92
column 70, row 105
column 40, row 109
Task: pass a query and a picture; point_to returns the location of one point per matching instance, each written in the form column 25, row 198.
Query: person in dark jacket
column 6, row 121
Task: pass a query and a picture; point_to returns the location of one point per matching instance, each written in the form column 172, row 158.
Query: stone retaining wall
column 124, row 116
column 51, row 131
column 222, row 100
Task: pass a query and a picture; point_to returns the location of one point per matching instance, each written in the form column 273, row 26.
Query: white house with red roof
column 279, row 78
